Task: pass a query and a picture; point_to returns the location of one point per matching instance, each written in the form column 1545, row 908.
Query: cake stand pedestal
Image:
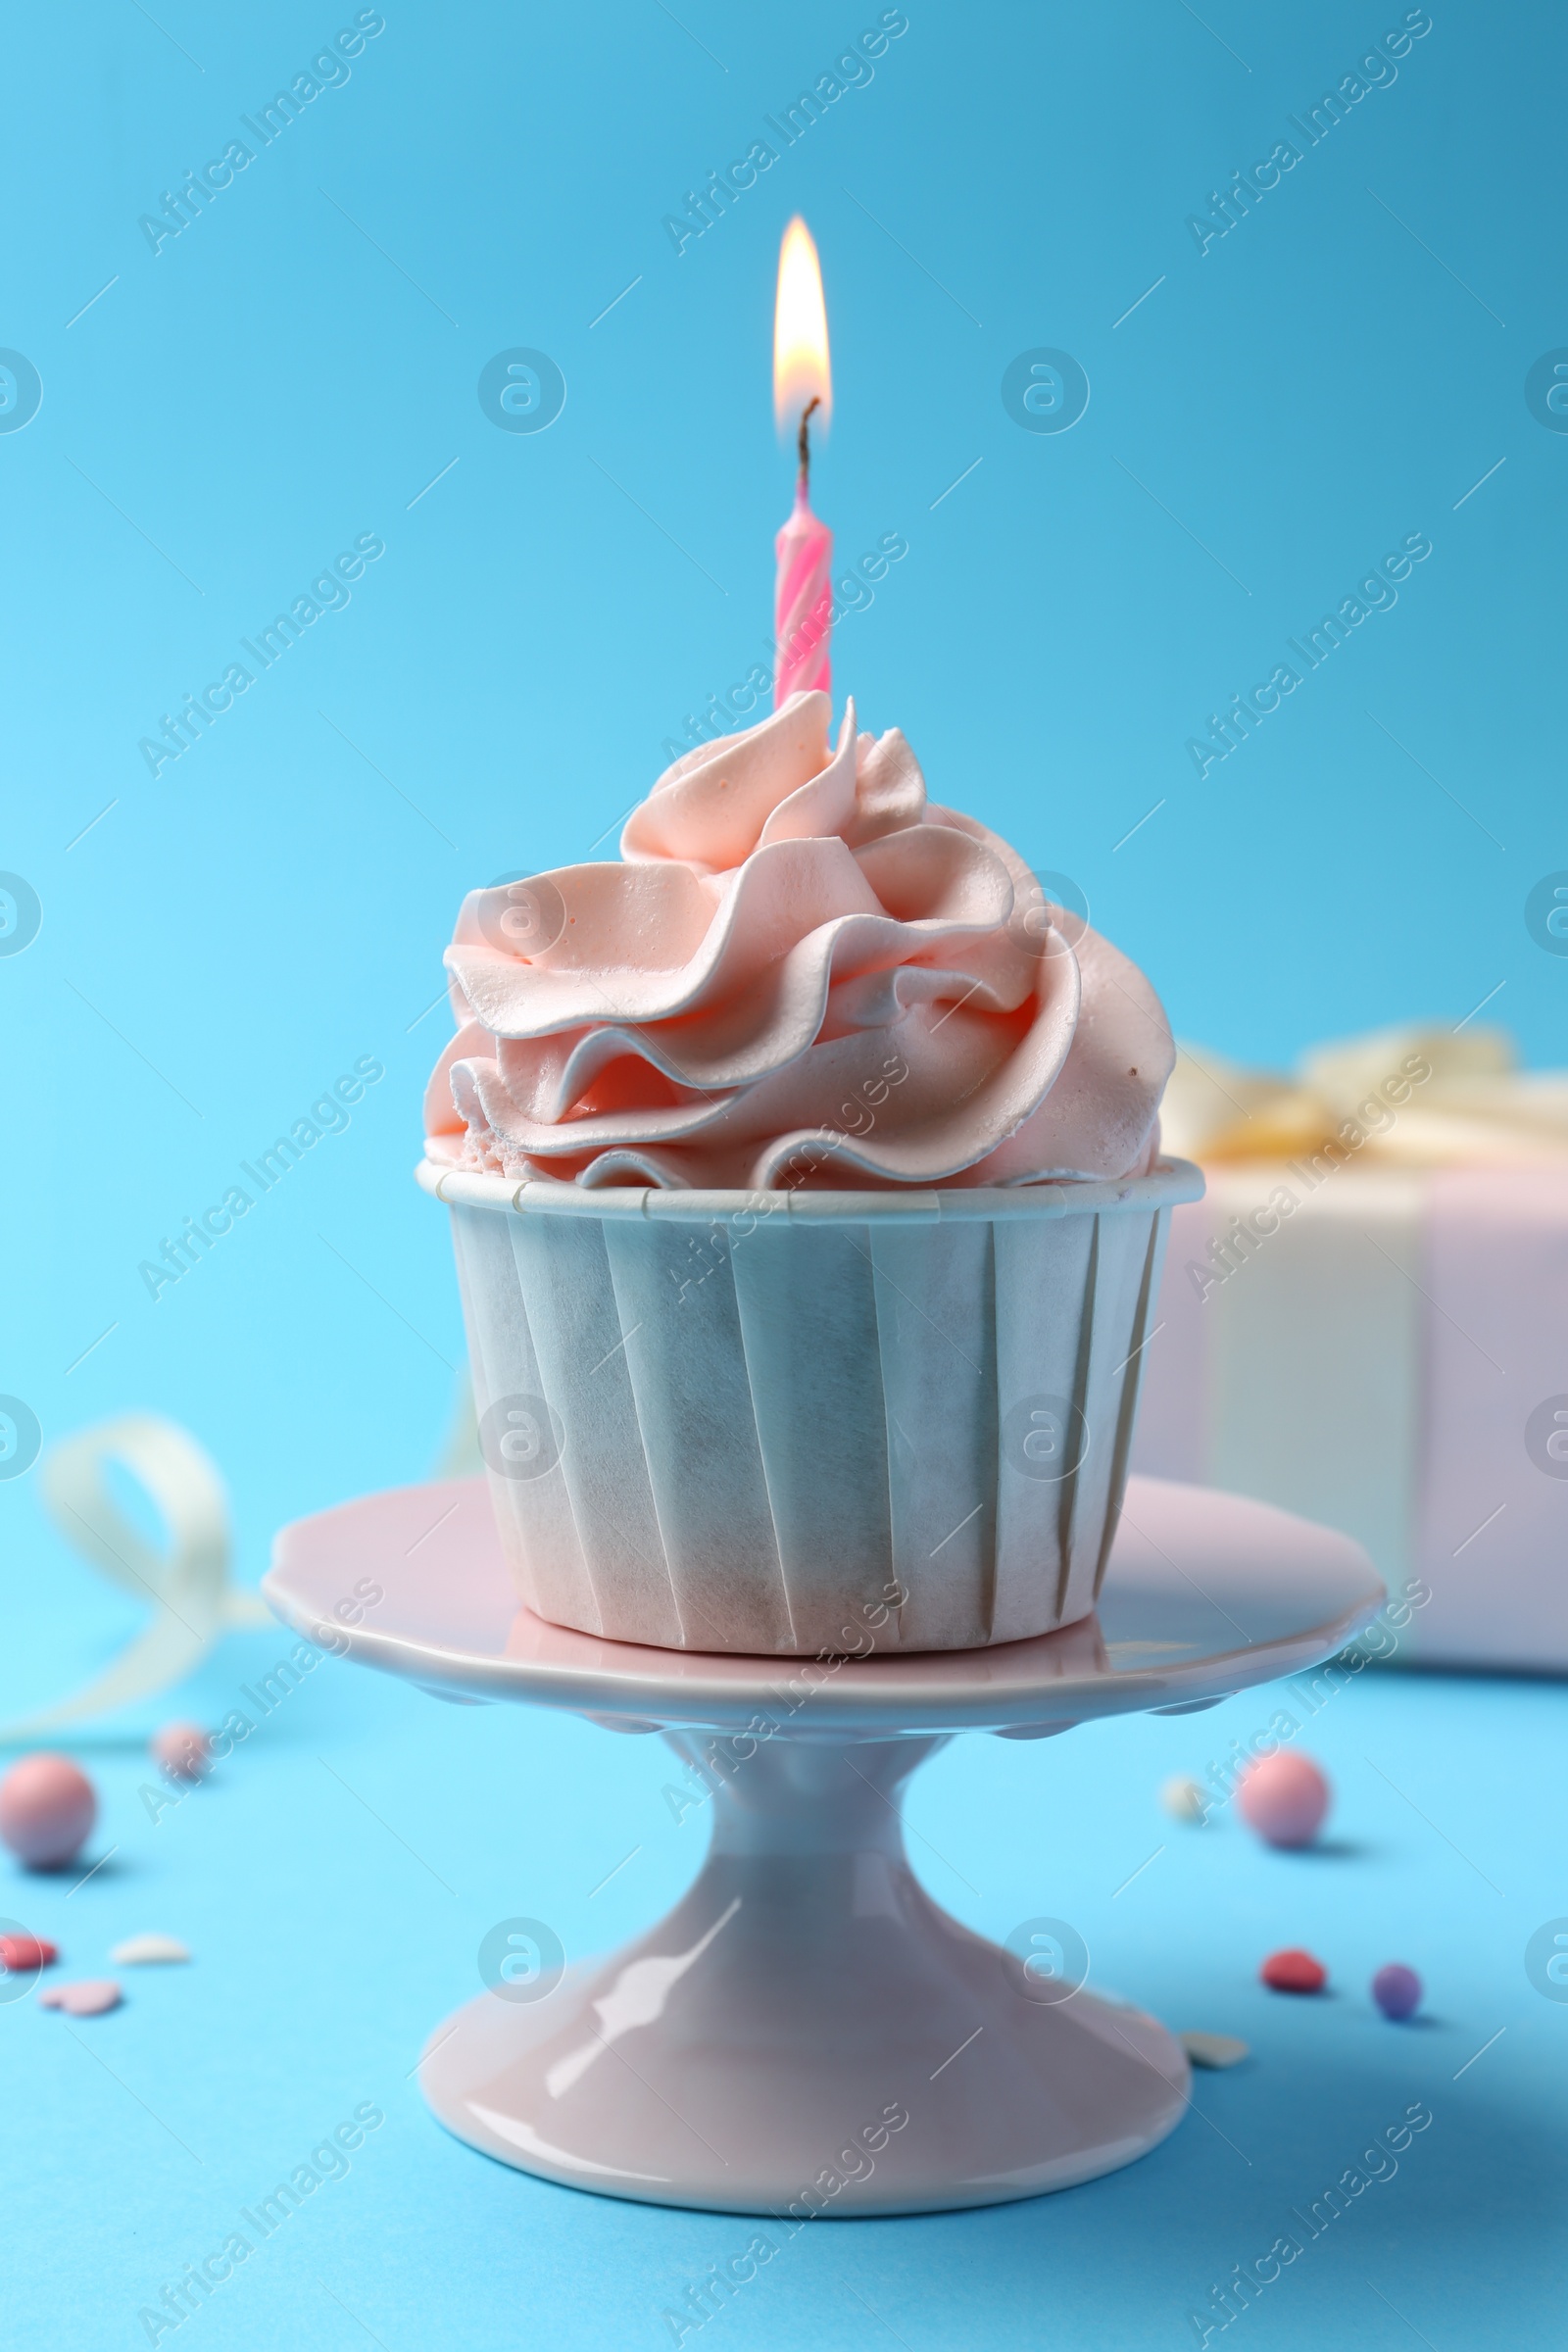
column 807, row 2033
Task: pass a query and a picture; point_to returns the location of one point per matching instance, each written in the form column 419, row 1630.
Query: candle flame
column 801, row 370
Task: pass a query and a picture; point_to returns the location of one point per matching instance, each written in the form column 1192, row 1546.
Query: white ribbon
column 195, row 1602
column 1475, row 1108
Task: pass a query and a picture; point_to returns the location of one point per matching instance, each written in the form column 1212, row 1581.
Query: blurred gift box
column 1366, row 1321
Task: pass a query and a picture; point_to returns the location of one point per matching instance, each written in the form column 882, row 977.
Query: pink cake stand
column 806, row 2030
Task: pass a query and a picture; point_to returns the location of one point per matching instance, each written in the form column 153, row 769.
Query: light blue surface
column 336, row 1878
column 299, row 368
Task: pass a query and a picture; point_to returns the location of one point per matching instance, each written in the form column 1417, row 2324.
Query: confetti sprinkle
column 90, row 1996
column 1184, row 1798
column 1294, row 1971
column 182, row 1749
column 47, row 1807
column 1284, row 1797
column 1396, row 1990
column 19, row 1953
column 1214, row 2050
column 142, row 1951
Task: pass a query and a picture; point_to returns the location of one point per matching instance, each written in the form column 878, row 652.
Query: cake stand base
column 807, row 2032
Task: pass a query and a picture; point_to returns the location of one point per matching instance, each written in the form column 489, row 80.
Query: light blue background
column 227, row 939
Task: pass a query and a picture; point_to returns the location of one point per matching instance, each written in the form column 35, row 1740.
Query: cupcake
column 805, row 1177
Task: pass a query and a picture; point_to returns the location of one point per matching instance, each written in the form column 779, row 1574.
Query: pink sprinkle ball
column 47, row 1810
column 1284, row 1797
column 1396, row 1990
column 182, row 1749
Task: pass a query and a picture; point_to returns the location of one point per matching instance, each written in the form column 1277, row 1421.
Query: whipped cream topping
column 803, row 971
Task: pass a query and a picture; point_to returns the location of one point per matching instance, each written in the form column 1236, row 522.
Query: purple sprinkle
column 1396, row 1990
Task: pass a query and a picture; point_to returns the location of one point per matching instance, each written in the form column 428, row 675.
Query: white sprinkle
column 1184, row 1798
column 138, row 1951
column 1214, row 2050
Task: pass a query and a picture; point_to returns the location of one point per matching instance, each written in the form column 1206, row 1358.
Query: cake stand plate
column 806, row 2033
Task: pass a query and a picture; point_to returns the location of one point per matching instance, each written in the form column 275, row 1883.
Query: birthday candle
column 802, row 386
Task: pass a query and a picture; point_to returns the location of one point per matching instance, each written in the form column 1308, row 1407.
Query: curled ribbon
column 1472, row 1106
column 189, row 1585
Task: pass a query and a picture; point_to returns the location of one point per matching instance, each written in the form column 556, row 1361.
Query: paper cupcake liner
column 808, row 1423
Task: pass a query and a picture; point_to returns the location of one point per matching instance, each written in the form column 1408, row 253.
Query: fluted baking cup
column 810, row 1422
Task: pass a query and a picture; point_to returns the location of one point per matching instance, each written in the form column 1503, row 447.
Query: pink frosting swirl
column 802, row 972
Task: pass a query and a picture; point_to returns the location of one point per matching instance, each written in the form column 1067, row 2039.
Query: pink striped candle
column 802, row 603
column 802, row 383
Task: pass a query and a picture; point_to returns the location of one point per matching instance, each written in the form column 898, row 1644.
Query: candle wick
column 816, row 402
